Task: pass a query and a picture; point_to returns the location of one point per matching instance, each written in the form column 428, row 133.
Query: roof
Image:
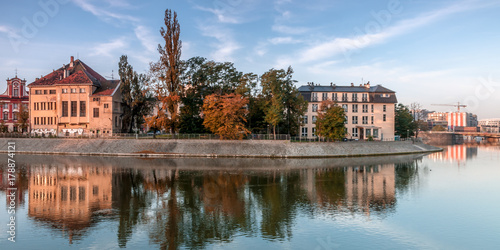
column 80, row 73
column 335, row 88
column 107, row 88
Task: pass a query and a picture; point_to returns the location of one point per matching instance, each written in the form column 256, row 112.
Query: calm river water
column 447, row 200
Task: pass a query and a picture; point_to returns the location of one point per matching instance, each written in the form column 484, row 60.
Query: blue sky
column 427, row 51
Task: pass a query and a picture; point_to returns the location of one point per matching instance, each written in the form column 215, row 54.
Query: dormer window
column 16, row 92
column 385, row 95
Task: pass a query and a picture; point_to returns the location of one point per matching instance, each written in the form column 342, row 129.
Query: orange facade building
column 75, row 101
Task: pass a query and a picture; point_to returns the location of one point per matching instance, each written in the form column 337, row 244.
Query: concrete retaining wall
column 211, row 148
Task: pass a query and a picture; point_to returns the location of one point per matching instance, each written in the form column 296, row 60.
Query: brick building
column 11, row 101
column 75, row 101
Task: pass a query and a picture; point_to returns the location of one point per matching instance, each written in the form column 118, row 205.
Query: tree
column 3, row 127
column 167, row 70
column 22, row 120
column 225, row 115
column 285, row 105
column 404, row 123
column 438, row 128
column 331, row 121
column 136, row 98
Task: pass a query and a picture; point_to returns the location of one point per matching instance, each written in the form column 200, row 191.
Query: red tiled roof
column 80, row 73
column 107, row 88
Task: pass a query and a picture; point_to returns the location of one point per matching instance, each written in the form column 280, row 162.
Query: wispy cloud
column 284, row 40
column 225, row 45
column 107, row 49
column 342, row 45
column 146, row 38
column 222, row 15
column 101, row 13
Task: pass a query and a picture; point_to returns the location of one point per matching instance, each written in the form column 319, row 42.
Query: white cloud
column 290, row 29
column 225, row 45
column 147, row 39
column 222, row 15
column 107, row 49
column 100, row 12
column 283, row 40
column 344, row 45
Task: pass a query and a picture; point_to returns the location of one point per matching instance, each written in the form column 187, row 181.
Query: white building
column 490, row 125
column 369, row 109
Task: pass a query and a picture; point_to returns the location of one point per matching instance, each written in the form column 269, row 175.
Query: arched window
column 16, row 92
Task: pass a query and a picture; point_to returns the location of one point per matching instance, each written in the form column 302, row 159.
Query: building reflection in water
column 455, row 153
column 66, row 196
column 192, row 208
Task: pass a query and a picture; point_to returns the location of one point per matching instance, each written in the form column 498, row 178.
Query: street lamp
column 407, row 133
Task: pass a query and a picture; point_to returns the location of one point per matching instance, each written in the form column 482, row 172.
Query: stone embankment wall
column 211, row 148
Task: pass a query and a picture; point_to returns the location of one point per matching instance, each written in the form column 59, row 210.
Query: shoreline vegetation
column 151, row 148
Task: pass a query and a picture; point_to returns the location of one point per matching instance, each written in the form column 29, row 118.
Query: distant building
column 11, row 100
column 75, row 101
column 369, row 109
column 490, row 125
column 452, row 120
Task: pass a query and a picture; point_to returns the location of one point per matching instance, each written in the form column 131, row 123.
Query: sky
column 429, row 52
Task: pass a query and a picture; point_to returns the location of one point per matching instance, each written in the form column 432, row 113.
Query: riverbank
column 157, row 148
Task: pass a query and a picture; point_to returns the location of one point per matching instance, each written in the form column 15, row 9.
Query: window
column 384, row 118
column 314, row 118
column 116, row 121
column 334, row 97
column 384, row 108
column 354, row 120
column 5, row 106
column 304, row 132
column 64, row 109
column 82, row 90
column 73, row 109
column 375, row 133
column 83, row 109
column 368, row 132
column 314, row 97
column 365, row 97
column 354, row 132
column 16, row 106
column 95, row 99
column 73, row 90
column 16, row 92
column 346, row 119
column 365, row 108
column 38, row 92
column 372, row 108
column 344, row 106
column 385, row 95
column 325, row 96
column 355, row 108
column 344, row 97
column 96, row 112
column 365, row 119
column 315, row 108
column 354, row 97
column 65, row 91
column 304, row 119
column 106, row 105
column 52, row 91
column 5, row 116
column 44, row 91
column 372, row 120
column 313, row 134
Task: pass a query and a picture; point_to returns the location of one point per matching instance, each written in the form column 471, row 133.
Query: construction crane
column 458, row 105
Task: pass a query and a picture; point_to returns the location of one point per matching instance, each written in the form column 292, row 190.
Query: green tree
column 331, row 121
column 404, row 123
column 285, row 105
column 3, row 127
column 136, row 98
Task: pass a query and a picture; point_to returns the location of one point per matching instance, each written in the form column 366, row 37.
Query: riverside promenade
column 162, row 148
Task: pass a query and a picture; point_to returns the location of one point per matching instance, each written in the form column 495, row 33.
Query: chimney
column 72, row 62
column 352, row 84
column 368, row 85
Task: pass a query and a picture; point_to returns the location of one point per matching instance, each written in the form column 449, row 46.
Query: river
column 445, row 200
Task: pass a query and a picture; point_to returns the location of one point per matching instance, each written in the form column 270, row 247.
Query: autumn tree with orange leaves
column 225, row 115
column 168, row 87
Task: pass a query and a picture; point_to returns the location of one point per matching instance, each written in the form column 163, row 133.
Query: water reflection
column 195, row 202
column 456, row 153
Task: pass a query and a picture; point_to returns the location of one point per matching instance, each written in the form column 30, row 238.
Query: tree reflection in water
column 195, row 202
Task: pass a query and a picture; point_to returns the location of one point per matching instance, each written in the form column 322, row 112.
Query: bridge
column 435, row 137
